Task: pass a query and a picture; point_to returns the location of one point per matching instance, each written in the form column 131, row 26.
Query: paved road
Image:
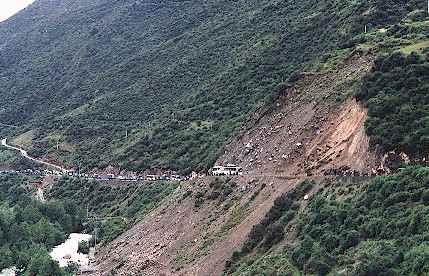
column 25, row 155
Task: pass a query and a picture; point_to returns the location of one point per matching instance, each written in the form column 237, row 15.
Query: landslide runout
column 180, row 239
column 312, row 129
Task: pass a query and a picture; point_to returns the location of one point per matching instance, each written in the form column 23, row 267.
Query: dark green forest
column 29, row 229
column 358, row 226
column 177, row 76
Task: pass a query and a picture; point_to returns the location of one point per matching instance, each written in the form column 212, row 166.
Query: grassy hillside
column 358, row 227
column 176, row 77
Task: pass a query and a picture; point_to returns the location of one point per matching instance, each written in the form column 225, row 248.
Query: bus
column 229, row 169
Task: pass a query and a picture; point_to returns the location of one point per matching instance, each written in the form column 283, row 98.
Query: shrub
column 294, row 77
column 395, row 94
column 273, row 235
column 83, row 247
column 255, row 236
column 425, row 197
column 316, row 266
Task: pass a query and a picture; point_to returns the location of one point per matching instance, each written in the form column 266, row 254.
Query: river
column 8, row 272
column 67, row 251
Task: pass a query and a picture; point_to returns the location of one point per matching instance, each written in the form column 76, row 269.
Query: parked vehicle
column 233, row 169
column 151, row 177
column 229, row 169
column 176, row 177
column 218, row 170
column 164, row 177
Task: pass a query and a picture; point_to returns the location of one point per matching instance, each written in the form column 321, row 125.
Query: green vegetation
column 83, row 247
column 377, row 232
column 416, row 47
column 159, row 83
column 29, row 229
column 275, row 263
column 178, row 76
column 10, row 159
column 382, row 229
column 271, row 228
column 395, row 93
column 112, row 210
column 407, row 35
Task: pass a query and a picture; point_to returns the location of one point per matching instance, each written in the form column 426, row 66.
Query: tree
column 44, row 232
column 83, row 247
column 6, row 257
column 30, row 214
column 425, row 197
column 417, row 260
column 41, row 264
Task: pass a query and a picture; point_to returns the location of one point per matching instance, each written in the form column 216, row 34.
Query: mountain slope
column 269, row 85
column 142, row 84
column 351, row 226
column 197, row 230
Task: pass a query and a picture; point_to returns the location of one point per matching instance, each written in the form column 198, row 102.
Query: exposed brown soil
column 180, row 239
column 343, row 146
column 308, row 132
